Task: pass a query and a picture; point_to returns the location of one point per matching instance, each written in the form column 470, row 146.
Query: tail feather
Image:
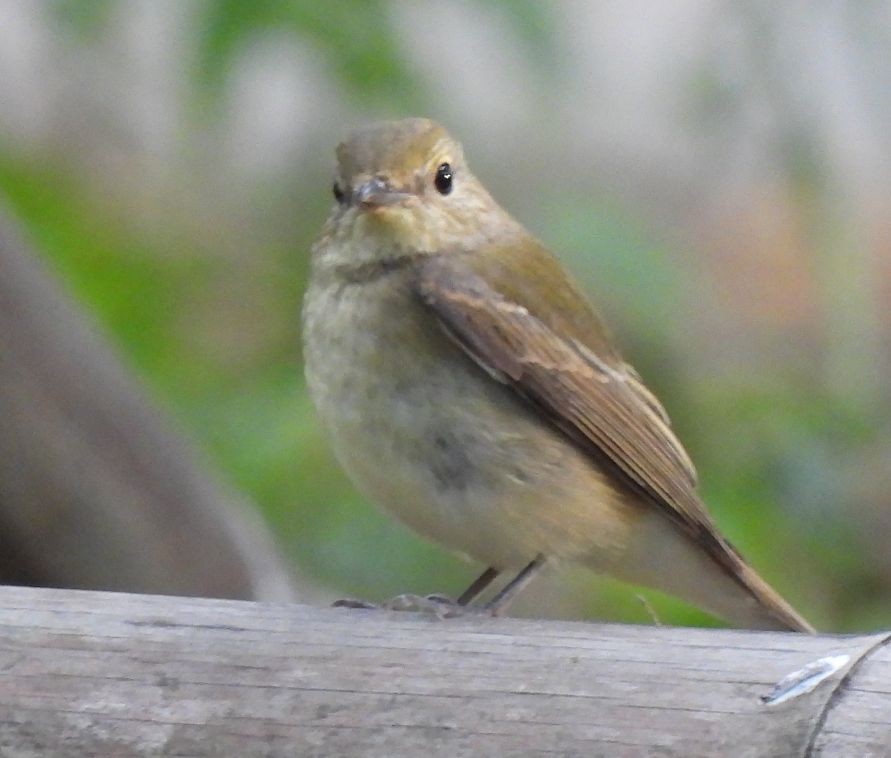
column 768, row 600
column 661, row 556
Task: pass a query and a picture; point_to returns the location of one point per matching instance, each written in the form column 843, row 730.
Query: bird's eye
column 443, row 180
column 339, row 195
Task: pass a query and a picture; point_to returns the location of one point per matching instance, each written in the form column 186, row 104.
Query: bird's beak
column 376, row 193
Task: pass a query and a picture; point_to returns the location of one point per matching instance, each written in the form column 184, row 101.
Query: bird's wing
column 600, row 403
column 591, row 395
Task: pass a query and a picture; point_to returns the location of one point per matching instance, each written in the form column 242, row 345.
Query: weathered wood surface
column 97, row 488
column 86, row 673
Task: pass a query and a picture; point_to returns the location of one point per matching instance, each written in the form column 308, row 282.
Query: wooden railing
column 87, row 673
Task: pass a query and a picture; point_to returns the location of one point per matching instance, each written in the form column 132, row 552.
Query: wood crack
column 840, row 688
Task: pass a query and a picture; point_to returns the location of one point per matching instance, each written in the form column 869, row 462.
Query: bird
column 469, row 389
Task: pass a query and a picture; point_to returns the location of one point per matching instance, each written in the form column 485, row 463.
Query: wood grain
column 87, row 673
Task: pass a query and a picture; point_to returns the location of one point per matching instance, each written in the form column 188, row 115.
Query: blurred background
column 716, row 173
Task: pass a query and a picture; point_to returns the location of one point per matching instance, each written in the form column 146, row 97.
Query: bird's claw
column 349, row 602
column 440, row 606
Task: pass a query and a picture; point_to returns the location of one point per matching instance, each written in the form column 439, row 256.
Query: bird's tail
column 771, row 610
column 717, row 580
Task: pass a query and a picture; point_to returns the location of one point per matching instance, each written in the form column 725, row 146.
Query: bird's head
column 406, row 183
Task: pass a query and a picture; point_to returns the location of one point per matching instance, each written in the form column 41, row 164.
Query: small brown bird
column 470, row 390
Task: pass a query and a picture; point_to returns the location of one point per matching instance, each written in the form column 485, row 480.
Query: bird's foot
column 349, row 602
column 441, row 606
column 437, row 605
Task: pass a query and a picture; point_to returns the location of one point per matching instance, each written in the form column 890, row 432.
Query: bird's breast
column 386, row 380
column 430, row 437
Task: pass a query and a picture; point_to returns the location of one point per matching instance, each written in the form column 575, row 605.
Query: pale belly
column 428, row 436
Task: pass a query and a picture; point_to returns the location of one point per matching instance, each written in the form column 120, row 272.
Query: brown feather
column 557, row 354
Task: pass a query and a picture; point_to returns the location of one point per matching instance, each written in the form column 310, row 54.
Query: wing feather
column 603, row 408
column 595, row 398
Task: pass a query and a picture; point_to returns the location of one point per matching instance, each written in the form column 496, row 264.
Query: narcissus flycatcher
column 470, row 389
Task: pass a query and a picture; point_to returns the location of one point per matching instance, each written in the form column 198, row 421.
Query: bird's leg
column 498, row 604
column 479, row 584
